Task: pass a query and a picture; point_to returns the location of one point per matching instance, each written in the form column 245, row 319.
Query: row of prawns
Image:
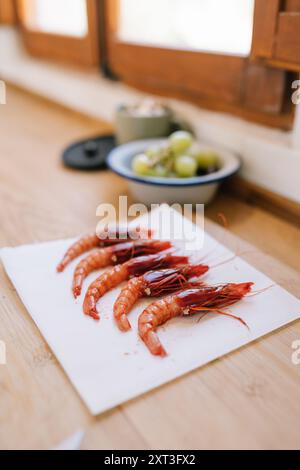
column 151, row 269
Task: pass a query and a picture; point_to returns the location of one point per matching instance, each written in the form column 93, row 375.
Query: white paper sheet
column 72, row 443
column 108, row 367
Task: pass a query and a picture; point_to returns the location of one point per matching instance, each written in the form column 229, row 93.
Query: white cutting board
column 108, row 367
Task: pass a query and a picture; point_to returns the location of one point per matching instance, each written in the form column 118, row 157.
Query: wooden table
column 248, row 399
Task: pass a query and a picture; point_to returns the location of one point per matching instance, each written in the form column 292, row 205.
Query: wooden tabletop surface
column 248, row 399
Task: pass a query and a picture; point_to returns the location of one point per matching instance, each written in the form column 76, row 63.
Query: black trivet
column 89, row 154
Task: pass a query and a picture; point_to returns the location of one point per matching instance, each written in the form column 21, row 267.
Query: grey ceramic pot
column 131, row 128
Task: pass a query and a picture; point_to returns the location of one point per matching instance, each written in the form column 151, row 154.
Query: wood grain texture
column 283, row 120
column 256, row 195
column 292, row 5
column 210, row 75
column 254, row 224
column 276, row 33
column 288, row 40
column 248, row 399
column 8, row 13
column 264, row 27
column 264, row 89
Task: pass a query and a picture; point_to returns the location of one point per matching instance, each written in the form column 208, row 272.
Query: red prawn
column 96, row 240
column 154, row 284
column 112, row 255
column 206, row 299
column 122, row 272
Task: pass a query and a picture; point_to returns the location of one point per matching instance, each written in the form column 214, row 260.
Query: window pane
column 223, row 26
column 66, row 17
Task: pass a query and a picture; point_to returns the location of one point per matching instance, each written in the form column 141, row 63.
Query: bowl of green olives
column 177, row 169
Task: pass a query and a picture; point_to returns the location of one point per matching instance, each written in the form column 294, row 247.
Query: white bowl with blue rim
column 157, row 190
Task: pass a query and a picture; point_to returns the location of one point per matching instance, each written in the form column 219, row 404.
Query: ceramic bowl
column 156, row 190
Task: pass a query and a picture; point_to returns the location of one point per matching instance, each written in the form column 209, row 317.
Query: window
column 203, row 51
column 189, row 24
column 65, row 30
column 42, row 15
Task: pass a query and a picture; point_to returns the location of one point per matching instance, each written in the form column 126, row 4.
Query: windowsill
column 269, row 156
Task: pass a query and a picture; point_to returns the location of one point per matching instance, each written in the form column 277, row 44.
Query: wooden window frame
column 215, row 81
column 8, row 12
column 277, row 41
column 80, row 51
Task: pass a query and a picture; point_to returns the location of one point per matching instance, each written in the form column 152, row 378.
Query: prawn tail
column 90, row 307
column 77, row 285
column 63, row 264
column 96, row 260
column 126, row 301
column 84, row 244
column 153, row 343
column 123, row 323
